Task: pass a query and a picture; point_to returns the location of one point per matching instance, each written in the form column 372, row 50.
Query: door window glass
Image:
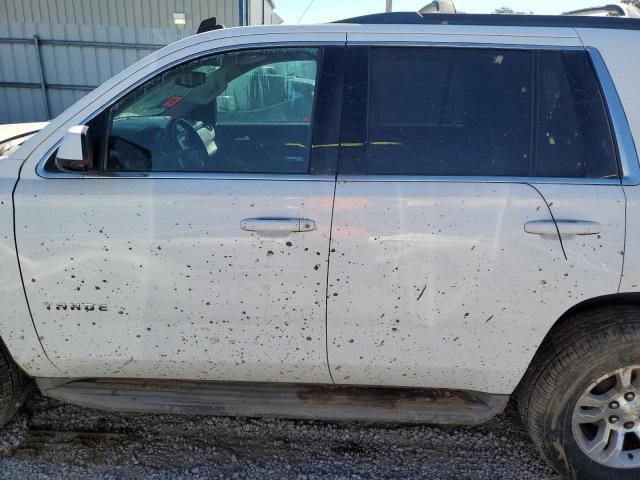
column 245, row 112
column 573, row 136
column 449, row 111
column 486, row 112
column 279, row 93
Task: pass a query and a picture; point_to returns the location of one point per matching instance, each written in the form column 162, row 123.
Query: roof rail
column 614, row 9
column 208, row 25
column 415, row 18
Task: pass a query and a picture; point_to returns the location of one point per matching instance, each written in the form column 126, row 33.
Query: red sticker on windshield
column 171, row 101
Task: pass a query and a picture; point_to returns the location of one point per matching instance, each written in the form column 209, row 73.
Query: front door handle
column 277, row 225
column 565, row 227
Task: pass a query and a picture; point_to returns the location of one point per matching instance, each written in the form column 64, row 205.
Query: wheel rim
column 606, row 419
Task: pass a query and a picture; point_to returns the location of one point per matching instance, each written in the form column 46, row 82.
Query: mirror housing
column 74, row 153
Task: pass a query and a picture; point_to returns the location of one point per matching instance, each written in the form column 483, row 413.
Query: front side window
column 486, row 112
column 237, row 112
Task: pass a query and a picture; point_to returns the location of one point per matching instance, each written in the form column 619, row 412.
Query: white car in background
column 14, row 135
column 397, row 217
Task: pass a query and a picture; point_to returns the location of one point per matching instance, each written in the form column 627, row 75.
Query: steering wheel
column 189, row 149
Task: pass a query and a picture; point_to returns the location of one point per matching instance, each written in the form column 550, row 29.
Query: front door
column 480, row 207
column 198, row 250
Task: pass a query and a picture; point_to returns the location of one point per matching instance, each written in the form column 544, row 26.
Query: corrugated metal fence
column 44, row 68
column 121, row 13
column 52, row 52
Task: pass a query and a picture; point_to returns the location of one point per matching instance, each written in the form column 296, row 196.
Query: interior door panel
column 253, row 147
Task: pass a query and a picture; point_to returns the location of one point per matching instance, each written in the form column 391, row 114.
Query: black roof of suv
column 415, row 18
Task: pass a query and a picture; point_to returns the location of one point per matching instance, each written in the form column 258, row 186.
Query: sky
column 328, row 10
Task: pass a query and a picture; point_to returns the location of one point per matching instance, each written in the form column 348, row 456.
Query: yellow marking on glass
column 326, row 145
column 335, row 145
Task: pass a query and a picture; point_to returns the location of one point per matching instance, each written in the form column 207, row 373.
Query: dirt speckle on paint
column 421, row 294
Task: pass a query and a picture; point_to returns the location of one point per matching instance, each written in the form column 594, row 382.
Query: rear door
column 187, row 255
column 478, row 200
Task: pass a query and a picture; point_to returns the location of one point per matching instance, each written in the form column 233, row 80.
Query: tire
column 12, row 386
column 580, row 370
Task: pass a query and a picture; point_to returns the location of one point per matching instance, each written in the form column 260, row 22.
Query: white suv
column 398, row 217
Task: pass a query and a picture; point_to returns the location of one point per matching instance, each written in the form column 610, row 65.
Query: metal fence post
column 43, row 84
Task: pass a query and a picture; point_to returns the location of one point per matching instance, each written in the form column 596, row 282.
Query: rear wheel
column 605, row 420
column 12, row 386
column 580, row 399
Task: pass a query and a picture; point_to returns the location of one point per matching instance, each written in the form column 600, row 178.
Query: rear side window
column 449, row 112
column 573, row 138
column 485, row 112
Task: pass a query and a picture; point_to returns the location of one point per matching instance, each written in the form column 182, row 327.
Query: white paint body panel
column 189, row 294
column 631, row 275
column 71, row 146
column 16, row 328
column 438, row 284
column 595, row 261
column 14, row 129
column 621, row 52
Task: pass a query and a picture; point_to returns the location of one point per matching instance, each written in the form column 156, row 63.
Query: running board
column 404, row 405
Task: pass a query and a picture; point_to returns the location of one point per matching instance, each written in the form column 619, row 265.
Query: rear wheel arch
column 592, row 338
column 627, row 298
column 630, row 299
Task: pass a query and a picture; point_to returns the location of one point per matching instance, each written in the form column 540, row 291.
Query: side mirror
column 74, row 153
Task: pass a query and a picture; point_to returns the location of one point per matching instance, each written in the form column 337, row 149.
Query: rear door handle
column 565, row 227
column 277, row 225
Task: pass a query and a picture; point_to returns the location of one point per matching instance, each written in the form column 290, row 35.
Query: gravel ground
column 53, row 440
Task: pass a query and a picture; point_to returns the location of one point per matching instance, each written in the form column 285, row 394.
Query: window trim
column 624, row 146
column 618, row 123
column 309, row 176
